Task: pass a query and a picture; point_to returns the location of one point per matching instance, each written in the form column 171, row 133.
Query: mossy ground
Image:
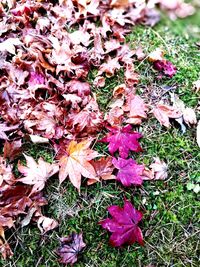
column 171, row 217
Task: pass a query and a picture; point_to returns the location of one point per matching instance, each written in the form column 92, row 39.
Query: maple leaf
column 71, row 246
column 36, row 78
column 103, row 168
column 122, row 139
column 157, row 54
column 76, row 162
column 46, row 224
column 6, row 174
column 165, row 67
column 123, row 225
column 11, row 150
column 159, row 169
column 196, row 85
column 130, row 173
column 9, row 45
column 4, row 246
column 137, row 109
column 36, row 174
column 189, row 116
column 89, row 119
column 4, row 128
column 164, row 112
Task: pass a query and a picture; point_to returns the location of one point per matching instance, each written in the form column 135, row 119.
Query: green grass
column 171, row 217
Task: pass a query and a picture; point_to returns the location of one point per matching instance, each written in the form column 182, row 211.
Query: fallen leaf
column 46, row 224
column 76, row 162
column 122, row 139
column 123, row 225
column 164, row 112
column 13, row 149
column 70, row 247
column 165, row 67
column 104, row 169
column 137, row 109
column 6, row 174
column 157, row 54
column 130, row 173
column 159, row 169
column 189, row 116
column 4, row 128
column 36, row 139
column 196, row 85
column 36, row 174
column 9, row 45
column 5, row 249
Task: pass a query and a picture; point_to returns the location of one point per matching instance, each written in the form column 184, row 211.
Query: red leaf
column 122, row 139
column 70, row 248
column 165, row 67
column 11, row 150
column 123, row 225
column 104, row 169
column 129, row 171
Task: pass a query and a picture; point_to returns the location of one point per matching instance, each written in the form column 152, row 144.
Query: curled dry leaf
column 123, row 225
column 10, row 45
column 70, row 247
column 36, row 139
column 46, row 224
column 12, row 150
column 6, row 174
column 130, row 173
column 75, row 162
column 5, row 249
column 115, row 116
column 157, row 54
column 159, row 168
column 196, row 85
column 36, row 174
column 104, row 169
column 189, row 116
column 4, row 128
column 123, row 140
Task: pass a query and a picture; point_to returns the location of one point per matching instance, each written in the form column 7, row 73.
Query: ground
column 170, row 224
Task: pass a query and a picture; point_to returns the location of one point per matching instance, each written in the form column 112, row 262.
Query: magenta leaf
column 70, row 248
column 129, row 171
column 123, row 225
column 165, row 67
column 36, row 78
column 122, row 139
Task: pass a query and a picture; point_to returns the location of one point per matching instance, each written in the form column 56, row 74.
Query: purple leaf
column 165, row 67
column 122, row 139
column 70, row 248
column 129, row 171
column 123, row 225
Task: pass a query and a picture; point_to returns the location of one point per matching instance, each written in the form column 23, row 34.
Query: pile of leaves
column 47, row 50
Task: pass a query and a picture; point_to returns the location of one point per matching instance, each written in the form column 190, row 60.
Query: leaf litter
column 47, row 50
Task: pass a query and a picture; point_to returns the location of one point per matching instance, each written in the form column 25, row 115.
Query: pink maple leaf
column 165, row 67
column 123, row 225
column 36, row 78
column 122, row 139
column 129, row 171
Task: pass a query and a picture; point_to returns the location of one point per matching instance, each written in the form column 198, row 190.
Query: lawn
column 171, row 211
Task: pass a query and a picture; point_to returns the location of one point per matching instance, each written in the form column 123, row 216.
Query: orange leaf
column 76, row 162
